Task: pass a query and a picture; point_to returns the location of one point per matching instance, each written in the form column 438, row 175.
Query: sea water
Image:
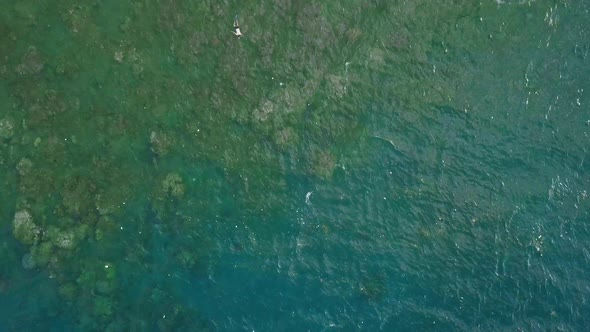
column 352, row 165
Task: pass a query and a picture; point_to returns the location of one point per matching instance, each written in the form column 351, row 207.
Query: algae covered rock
column 6, row 128
column 65, row 240
column 173, row 185
column 262, row 113
column 105, row 204
column 373, row 287
column 28, row 262
column 24, row 229
column 103, row 306
column 160, row 143
column 187, row 258
column 336, row 86
column 24, row 166
column 68, row 291
column 323, row 163
column 166, row 193
column 43, row 253
column 31, row 63
column 77, row 195
column 286, row 137
column 105, row 226
column 104, row 287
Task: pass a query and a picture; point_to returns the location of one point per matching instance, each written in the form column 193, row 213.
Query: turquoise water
column 356, row 165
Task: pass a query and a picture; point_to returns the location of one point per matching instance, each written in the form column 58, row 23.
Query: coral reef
column 24, row 229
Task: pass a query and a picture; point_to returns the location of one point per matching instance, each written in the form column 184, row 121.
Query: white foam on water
column 307, row 197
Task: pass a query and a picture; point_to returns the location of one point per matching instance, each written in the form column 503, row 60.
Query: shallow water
column 362, row 165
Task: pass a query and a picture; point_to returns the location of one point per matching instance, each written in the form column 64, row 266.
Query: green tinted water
column 360, row 165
